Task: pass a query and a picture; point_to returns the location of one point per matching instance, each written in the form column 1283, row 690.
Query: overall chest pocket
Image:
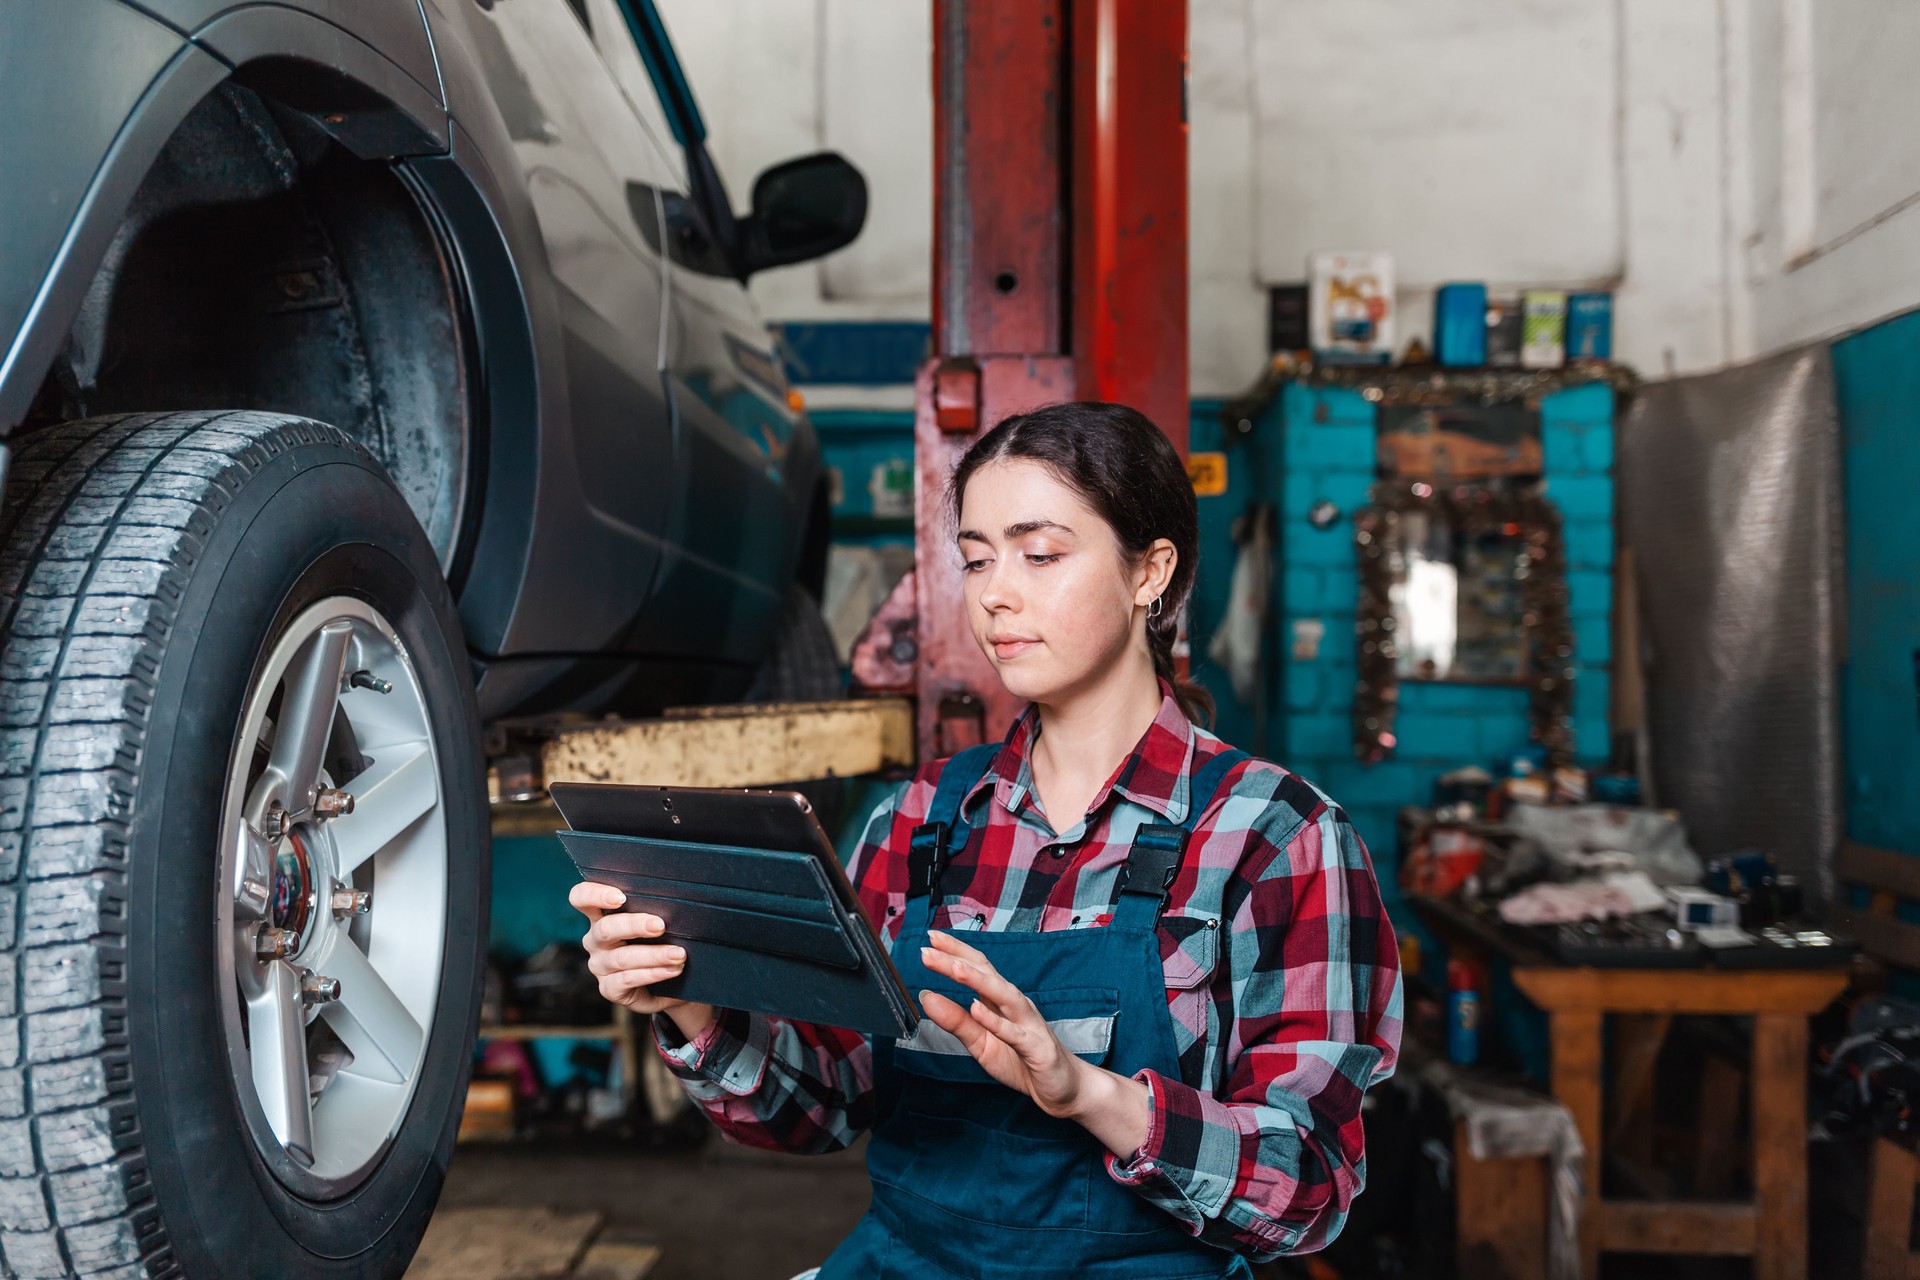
column 1082, row 1017
column 977, row 1150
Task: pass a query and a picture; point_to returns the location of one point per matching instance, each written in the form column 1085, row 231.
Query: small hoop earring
column 1154, row 609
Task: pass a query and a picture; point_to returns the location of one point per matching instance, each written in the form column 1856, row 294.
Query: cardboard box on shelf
column 1350, row 305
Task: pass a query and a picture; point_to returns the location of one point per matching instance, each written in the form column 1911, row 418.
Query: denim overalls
column 971, row 1180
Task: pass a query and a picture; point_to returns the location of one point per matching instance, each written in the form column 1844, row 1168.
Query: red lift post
column 1060, row 272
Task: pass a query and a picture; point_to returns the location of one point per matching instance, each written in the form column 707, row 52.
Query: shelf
column 536, row 1031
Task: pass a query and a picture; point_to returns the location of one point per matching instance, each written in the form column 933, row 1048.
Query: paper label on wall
column 1208, row 474
column 1543, row 330
column 891, row 487
column 1307, row 633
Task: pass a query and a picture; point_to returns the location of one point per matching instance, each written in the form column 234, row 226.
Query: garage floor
column 720, row 1212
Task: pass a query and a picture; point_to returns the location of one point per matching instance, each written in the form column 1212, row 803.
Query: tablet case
column 764, row 930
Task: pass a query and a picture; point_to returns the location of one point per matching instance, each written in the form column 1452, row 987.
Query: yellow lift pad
column 756, row 745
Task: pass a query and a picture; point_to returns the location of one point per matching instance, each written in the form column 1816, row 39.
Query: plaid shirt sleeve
column 778, row 1084
column 1269, row 1162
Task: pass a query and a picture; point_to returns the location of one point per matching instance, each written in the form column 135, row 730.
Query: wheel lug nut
column 275, row 944
column 351, row 902
column 368, row 680
column 273, row 824
column 318, row 989
column 255, row 895
column 332, row 802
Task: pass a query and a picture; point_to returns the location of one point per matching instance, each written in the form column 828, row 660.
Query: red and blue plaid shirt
column 1282, row 976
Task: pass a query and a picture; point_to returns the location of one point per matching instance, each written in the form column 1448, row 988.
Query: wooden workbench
column 1772, row 1227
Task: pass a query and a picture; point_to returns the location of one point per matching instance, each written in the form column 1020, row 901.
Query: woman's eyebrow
column 1013, row 531
column 1026, row 527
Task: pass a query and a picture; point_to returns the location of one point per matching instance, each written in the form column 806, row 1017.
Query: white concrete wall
column 1830, row 240
column 778, row 78
column 1742, row 173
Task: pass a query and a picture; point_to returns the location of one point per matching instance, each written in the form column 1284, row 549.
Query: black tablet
column 750, row 885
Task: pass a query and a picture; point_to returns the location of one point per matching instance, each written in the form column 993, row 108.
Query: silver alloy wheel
column 332, row 900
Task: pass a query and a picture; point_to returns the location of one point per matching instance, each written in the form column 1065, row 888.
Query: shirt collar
column 1157, row 773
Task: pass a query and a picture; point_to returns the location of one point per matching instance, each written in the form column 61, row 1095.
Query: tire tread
column 103, row 524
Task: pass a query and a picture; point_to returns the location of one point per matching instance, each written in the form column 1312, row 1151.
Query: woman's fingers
column 950, row 1017
column 618, row 984
column 591, row 899
column 641, row 956
column 962, row 963
column 1001, row 1060
column 613, row 931
column 952, row 946
column 1016, row 1035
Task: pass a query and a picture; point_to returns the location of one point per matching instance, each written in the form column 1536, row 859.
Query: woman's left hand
column 1002, row 1029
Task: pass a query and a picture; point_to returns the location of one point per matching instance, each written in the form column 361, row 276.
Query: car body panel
column 102, row 80
column 586, row 565
column 413, row 124
column 114, row 83
column 647, row 485
column 396, row 28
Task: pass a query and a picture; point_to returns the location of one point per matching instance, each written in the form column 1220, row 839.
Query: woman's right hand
column 627, row 970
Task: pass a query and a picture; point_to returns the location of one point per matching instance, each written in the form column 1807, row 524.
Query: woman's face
column 1054, row 601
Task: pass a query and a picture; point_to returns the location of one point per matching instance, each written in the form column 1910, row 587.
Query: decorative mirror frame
column 1475, row 510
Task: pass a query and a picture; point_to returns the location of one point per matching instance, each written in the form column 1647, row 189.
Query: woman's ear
column 1156, row 572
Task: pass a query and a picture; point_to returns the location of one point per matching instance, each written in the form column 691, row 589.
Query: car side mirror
column 803, row 209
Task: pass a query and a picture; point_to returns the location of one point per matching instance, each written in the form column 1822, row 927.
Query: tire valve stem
column 332, row 802
column 318, row 989
column 368, row 680
column 275, row 944
column 347, row 901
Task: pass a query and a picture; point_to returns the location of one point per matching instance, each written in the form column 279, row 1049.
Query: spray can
column 1463, row 1014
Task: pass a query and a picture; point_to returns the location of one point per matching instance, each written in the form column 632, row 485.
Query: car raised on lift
column 370, row 371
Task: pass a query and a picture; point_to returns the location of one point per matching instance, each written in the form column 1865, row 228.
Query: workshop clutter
column 548, row 1063
column 1590, row 878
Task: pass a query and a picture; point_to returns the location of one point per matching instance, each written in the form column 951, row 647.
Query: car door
column 591, row 170
column 729, row 554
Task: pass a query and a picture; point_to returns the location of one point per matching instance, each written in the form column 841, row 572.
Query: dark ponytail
column 1126, row 469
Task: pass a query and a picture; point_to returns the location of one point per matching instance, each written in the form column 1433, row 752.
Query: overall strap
column 943, row 835
column 1159, row 847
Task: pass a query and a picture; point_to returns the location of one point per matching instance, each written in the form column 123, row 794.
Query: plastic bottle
column 1463, row 1014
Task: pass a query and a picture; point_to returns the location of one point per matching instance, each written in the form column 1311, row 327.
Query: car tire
column 153, row 567
column 802, row 665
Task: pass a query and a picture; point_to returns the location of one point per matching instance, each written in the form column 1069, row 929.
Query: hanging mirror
column 1458, row 601
column 1464, row 584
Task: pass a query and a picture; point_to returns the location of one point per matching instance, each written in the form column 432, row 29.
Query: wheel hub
column 295, row 889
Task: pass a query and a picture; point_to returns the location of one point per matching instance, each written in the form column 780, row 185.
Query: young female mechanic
column 1156, row 974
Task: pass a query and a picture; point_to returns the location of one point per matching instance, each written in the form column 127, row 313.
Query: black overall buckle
column 926, row 857
column 1153, row 862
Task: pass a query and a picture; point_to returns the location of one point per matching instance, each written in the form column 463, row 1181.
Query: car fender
column 114, row 84
column 398, row 31
column 105, row 88
column 492, row 231
column 374, row 107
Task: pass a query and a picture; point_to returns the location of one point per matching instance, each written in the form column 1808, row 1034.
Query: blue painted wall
column 1318, row 444
column 869, row 454
column 1313, row 444
column 1877, row 386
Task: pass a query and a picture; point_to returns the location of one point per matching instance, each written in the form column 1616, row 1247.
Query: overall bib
column 971, row 1180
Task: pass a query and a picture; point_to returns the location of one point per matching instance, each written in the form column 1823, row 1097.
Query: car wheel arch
column 239, row 163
